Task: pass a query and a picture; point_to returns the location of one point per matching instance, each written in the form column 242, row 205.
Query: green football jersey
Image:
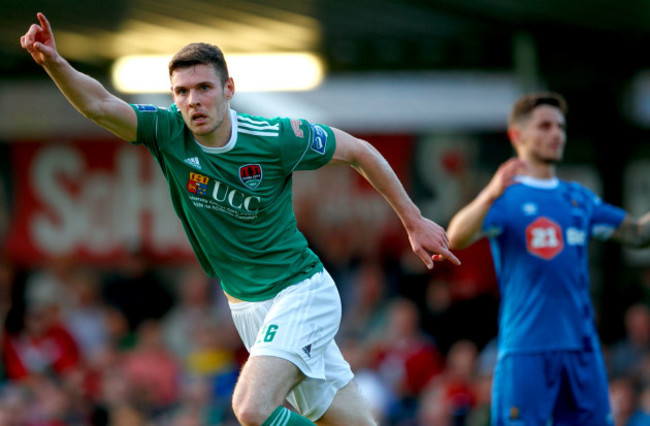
column 235, row 202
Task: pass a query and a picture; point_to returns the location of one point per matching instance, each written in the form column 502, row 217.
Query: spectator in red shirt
column 42, row 346
column 406, row 358
column 151, row 372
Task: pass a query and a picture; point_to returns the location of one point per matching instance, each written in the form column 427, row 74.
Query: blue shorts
column 555, row 388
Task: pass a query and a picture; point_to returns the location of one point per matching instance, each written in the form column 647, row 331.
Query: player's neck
column 539, row 170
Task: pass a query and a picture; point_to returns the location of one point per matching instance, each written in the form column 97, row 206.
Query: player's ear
column 229, row 88
column 513, row 134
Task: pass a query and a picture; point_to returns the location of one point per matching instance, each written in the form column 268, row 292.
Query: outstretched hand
column 429, row 241
column 39, row 41
column 504, row 177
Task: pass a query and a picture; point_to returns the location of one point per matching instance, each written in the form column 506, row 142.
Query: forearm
column 644, row 230
column 465, row 227
column 634, row 232
column 428, row 239
column 376, row 170
column 92, row 99
column 85, row 93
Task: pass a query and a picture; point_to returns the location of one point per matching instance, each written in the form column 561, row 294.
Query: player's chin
column 201, row 130
column 552, row 159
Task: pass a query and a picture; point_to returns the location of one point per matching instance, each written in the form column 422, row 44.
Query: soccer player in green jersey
column 229, row 177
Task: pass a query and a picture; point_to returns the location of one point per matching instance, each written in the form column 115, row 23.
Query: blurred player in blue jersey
column 550, row 368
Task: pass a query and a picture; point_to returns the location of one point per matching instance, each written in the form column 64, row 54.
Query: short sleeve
column 306, row 146
column 147, row 115
column 493, row 222
column 154, row 127
column 605, row 219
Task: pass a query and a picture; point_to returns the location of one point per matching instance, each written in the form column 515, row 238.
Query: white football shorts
column 299, row 325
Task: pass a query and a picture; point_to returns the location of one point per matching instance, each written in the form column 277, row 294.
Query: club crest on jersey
column 198, row 184
column 319, row 142
column 251, row 175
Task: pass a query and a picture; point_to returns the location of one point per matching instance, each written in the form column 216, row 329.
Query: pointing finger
column 45, row 24
column 446, row 254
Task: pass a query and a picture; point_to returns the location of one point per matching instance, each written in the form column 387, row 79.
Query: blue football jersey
column 539, row 232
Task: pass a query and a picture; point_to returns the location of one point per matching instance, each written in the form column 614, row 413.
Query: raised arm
column 86, row 94
column 633, row 232
column 428, row 240
column 465, row 227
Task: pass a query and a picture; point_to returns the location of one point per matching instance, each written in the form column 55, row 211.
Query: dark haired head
column 525, row 105
column 200, row 54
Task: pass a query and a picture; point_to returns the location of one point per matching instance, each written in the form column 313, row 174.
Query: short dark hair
column 527, row 103
column 197, row 54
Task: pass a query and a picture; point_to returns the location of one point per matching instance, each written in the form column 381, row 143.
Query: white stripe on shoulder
column 259, row 133
column 251, row 127
column 255, row 124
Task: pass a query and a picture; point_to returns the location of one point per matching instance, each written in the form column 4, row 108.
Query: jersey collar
column 550, row 183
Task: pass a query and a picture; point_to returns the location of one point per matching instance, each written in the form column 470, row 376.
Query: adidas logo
column 194, row 162
column 307, row 350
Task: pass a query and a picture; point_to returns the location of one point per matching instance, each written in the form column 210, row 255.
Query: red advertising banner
column 94, row 200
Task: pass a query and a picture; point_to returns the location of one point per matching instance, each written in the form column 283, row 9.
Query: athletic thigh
column 265, row 381
column 347, row 408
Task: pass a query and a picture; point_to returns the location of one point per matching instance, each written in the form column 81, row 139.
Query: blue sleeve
column 494, row 220
column 605, row 218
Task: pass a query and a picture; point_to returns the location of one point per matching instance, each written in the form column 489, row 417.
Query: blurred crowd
column 142, row 343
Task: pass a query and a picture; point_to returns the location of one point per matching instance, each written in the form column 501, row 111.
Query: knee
column 249, row 412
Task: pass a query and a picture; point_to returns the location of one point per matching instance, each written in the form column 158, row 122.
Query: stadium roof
column 351, row 34
column 590, row 50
